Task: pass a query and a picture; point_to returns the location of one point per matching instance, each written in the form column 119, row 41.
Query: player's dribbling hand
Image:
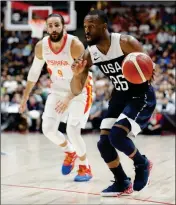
column 153, row 76
column 153, row 73
column 78, row 66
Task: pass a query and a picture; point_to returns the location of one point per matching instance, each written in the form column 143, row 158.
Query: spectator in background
column 12, row 39
column 15, row 103
column 155, row 25
column 162, row 36
column 155, row 124
column 34, row 112
column 10, row 84
column 147, row 46
column 5, row 103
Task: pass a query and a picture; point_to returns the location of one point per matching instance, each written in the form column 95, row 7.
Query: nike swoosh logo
column 96, row 58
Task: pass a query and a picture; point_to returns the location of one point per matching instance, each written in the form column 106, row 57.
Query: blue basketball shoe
column 142, row 177
column 119, row 189
column 69, row 162
column 84, row 174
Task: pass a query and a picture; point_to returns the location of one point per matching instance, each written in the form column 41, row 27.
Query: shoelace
column 82, row 170
column 69, row 158
column 127, row 191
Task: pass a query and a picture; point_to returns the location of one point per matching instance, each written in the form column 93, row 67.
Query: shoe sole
column 84, row 180
column 118, row 194
column 71, row 168
column 66, row 173
column 148, row 182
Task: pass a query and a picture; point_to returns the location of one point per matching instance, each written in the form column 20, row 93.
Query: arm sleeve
column 35, row 70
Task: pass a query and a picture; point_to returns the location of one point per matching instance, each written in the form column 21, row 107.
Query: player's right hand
column 22, row 107
column 78, row 66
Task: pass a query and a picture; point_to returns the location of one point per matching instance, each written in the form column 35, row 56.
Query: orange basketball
column 137, row 67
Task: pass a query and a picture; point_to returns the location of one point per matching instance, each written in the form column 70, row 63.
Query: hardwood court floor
column 30, row 172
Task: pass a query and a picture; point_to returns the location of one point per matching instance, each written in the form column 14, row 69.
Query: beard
column 93, row 41
column 58, row 38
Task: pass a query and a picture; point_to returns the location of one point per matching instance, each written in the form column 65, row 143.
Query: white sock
column 84, row 162
column 68, row 147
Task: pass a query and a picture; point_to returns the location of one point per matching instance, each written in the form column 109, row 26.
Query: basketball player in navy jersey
column 130, row 106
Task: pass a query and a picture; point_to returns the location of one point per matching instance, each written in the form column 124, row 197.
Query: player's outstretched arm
column 33, row 75
column 80, row 70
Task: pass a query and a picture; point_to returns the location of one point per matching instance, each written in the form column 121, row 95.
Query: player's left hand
column 78, row 66
column 62, row 105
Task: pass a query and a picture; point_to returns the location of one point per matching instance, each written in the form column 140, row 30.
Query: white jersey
column 59, row 64
column 114, row 51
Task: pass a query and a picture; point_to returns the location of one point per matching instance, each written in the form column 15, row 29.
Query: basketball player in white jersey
column 59, row 50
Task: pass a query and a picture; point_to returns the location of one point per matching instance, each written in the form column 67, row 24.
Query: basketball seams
column 133, row 59
column 137, row 67
column 139, row 70
column 141, row 62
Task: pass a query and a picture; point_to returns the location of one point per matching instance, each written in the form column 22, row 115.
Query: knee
column 47, row 129
column 119, row 132
column 107, row 151
column 103, row 143
column 104, row 140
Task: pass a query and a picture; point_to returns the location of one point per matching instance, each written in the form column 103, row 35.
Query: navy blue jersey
column 110, row 65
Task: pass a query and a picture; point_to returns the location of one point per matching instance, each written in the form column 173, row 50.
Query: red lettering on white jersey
column 57, row 63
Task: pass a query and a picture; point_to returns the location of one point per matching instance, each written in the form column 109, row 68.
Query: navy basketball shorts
column 137, row 109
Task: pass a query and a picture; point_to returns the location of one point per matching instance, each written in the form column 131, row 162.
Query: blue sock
column 119, row 173
column 138, row 158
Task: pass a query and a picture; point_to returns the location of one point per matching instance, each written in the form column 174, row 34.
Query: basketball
column 137, row 67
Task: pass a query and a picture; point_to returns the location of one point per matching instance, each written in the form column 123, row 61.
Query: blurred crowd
column 153, row 27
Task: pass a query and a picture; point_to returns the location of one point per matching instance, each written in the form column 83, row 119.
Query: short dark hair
column 57, row 15
column 101, row 15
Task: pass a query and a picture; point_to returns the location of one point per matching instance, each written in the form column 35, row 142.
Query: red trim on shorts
column 61, row 48
column 89, row 95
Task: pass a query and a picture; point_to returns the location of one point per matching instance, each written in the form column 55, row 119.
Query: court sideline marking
column 80, row 192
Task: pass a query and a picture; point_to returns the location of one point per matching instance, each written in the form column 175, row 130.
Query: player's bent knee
column 118, row 136
column 53, row 134
column 103, row 143
column 45, row 129
column 108, row 153
column 120, row 130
